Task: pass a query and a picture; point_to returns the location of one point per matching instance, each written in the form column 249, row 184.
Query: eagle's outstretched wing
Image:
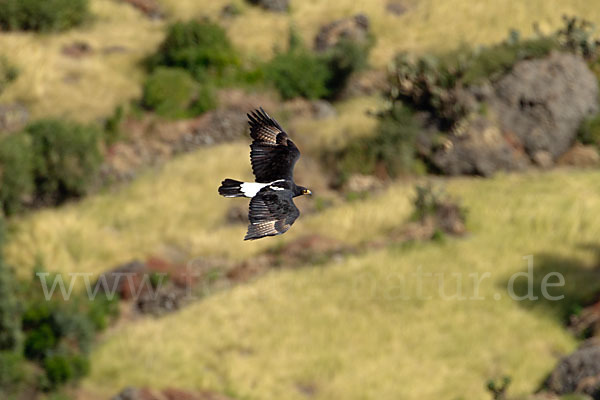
column 272, row 212
column 272, row 153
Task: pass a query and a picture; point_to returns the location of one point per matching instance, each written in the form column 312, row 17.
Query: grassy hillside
column 323, row 327
column 334, row 331
column 344, row 330
column 53, row 84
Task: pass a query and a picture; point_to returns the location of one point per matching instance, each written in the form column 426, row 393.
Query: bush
column 66, row 158
column 589, row 131
column 8, row 73
column 62, row 368
column 42, row 15
column 11, row 370
column 344, row 59
column 298, row 72
column 197, row 46
column 16, row 171
column 392, row 148
column 172, row 93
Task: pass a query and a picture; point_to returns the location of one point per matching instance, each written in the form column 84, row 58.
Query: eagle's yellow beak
column 306, row 191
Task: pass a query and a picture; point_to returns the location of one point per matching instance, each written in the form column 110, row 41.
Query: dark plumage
column 273, row 156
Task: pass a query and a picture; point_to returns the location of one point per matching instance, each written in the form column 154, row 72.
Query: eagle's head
column 303, row 191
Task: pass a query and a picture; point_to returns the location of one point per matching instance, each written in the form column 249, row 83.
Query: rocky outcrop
column 272, row 5
column 579, row 372
column 580, row 156
column 355, row 29
column 531, row 118
column 543, row 102
column 480, row 148
column 132, row 393
column 150, row 8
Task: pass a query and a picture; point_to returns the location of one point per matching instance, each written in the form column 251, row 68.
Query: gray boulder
column 479, row 148
column 355, row 29
column 543, row 102
column 579, row 372
column 272, row 5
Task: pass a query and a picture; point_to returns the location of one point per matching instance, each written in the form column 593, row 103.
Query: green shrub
column 10, row 321
column 494, row 61
column 344, row 59
column 42, row 15
column 11, row 370
column 172, row 93
column 39, row 342
column 196, row 46
column 66, row 158
column 392, row 147
column 589, row 131
column 112, row 126
column 16, row 171
column 8, row 73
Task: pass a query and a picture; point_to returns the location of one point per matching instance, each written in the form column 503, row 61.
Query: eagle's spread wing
column 272, row 212
column 272, row 153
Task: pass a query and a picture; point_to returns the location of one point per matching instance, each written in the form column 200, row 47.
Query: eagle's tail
column 231, row 188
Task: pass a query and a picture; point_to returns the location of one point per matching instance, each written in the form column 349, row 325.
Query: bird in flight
column 273, row 156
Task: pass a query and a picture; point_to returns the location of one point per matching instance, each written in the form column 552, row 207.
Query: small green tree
column 42, row 15
column 196, row 46
column 66, row 158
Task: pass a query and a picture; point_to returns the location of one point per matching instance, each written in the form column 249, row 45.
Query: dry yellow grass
column 323, row 327
column 341, row 328
column 54, row 85
column 428, row 25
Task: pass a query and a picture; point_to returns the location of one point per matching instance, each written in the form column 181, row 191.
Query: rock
column 543, row 159
column 478, row 149
column 131, row 393
column 355, row 29
column 120, row 279
column 580, row 156
column 579, row 372
column 309, row 249
column 149, row 7
column 396, row 7
column 77, row 49
column 543, row 102
column 13, row 117
column 272, row 5
column 230, row 10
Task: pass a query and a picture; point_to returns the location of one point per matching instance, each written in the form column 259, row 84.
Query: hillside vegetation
column 54, row 85
column 337, row 330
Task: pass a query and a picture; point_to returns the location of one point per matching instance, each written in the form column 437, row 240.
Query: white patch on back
column 249, row 189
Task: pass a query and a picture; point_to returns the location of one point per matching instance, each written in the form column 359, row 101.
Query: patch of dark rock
column 543, row 102
column 77, row 49
column 132, row 393
column 479, row 148
column 151, row 8
column 272, row 5
column 578, row 372
column 580, row 156
column 396, row 8
column 230, row 10
column 355, row 29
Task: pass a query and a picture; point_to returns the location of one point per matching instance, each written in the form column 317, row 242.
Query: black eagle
column 273, row 156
